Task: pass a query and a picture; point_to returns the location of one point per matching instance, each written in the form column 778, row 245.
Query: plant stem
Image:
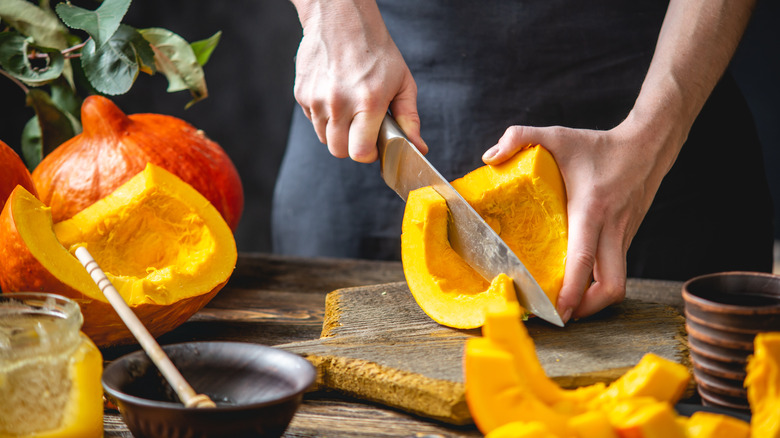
column 16, row 81
column 76, row 47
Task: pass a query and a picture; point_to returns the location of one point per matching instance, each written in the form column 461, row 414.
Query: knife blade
column 404, row 169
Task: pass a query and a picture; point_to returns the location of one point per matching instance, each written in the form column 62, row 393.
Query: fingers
column 363, row 132
column 580, row 260
column 595, row 266
column 609, row 274
column 404, row 109
column 355, row 135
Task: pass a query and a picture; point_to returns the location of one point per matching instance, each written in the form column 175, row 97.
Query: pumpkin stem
column 100, row 117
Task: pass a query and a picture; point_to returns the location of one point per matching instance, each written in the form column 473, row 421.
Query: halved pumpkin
column 523, row 200
column 161, row 243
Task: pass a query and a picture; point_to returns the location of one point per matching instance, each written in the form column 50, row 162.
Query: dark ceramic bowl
column 723, row 314
column 257, row 390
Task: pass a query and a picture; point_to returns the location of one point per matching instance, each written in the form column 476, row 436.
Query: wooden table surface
column 274, row 300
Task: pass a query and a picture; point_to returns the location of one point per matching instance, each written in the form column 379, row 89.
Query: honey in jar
column 49, row 370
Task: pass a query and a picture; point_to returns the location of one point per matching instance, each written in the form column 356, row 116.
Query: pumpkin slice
column 523, row 200
column 654, row 376
column 763, row 385
column 505, row 383
column 161, row 243
column 711, row 425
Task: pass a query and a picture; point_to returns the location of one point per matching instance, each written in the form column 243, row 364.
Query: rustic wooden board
column 378, row 345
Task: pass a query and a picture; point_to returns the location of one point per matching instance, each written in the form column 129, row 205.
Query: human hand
column 348, row 73
column 611, row 178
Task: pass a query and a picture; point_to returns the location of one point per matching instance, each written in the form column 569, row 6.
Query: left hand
column 611, row 178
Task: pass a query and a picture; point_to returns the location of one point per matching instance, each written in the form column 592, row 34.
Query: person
column 661, row 162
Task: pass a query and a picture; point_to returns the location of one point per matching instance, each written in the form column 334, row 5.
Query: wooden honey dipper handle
column 183, row 389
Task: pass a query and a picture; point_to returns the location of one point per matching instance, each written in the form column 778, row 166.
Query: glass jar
column 49, row 371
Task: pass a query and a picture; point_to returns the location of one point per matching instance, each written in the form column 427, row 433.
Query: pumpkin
column 162, row 244
column 12, row 173
column 763, row 385
column 114, row 147
column 505, row 383
column 523, row 200
column 704, row 424
column 651, row 420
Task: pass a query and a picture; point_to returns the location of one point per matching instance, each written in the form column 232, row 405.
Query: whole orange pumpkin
column 114, row 147
column 12, row 173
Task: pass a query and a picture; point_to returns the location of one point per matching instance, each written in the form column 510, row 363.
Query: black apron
column 483, row 66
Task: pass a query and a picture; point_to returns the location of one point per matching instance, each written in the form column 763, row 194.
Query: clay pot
column 723, row 314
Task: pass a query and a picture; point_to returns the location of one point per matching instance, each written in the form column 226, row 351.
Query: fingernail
column 490, row 153
column 567, row 314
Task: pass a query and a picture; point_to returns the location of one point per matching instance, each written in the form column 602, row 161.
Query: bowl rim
column 123, row 397
column 689, row 297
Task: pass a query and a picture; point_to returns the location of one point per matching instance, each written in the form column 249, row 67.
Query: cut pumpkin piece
column 161, row 243
column 506, row 383
column 504, row 328
column 519, row 429
column 497, row 395
column 711, row 425
column 763, row 385
column 654, row 377
column 654, row 420
column 523, row 200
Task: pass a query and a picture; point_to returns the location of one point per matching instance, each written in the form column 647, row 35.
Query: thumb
column 515, row 138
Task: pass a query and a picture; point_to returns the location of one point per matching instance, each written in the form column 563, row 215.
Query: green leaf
column 204, row 48
column 113, row 68
column 38, row 23
column 15, row 51
column 100, row 24
column 32, row 143
column 176, row 60
column 55, row 124
column 65, row 98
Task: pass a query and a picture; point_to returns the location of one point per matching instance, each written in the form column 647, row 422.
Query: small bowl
column 723, row 314
column 257, row 390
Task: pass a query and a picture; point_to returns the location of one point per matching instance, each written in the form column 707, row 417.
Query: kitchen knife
column 404, row 169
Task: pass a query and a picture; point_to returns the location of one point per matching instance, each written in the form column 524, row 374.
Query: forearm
column 354, row 14
column 697, row 40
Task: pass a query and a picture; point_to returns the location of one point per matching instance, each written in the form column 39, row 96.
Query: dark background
column 250, row 80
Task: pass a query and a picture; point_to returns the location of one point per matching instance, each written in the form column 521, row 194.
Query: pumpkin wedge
column 523, row 200
column 161, row 243
column 506, row 383
column 763, row 385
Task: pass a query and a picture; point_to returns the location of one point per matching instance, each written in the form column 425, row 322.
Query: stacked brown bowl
column 723, row 314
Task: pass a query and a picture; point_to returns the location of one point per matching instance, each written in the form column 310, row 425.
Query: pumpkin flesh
column 165, row 248
column 523, row 200
column 506, row 383
column 763, row 385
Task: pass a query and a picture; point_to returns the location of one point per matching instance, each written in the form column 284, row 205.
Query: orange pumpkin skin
column 26, row 223
column 113, row 147
column 12, row 173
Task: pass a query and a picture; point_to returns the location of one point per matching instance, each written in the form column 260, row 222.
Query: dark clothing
column 481, row 67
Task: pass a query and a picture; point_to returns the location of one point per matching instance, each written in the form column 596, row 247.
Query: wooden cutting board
column 378, row 345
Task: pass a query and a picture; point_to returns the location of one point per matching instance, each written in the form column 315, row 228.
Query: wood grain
column 274, row 300
column 378, row 345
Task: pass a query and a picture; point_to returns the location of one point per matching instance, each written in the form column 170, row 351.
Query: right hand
column 349, row 72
